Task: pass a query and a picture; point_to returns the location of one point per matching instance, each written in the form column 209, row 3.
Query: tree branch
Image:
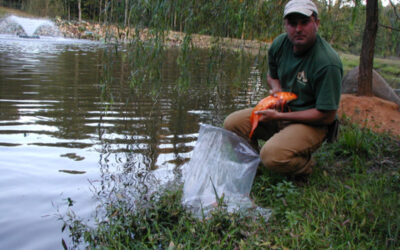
column 394, row 9
column 388, row 27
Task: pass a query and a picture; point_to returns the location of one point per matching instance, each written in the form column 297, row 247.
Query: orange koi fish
column 267, row 103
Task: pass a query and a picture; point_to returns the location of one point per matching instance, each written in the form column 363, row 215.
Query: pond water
column 73, row 112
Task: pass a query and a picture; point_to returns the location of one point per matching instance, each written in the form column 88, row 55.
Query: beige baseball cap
column 305, row 7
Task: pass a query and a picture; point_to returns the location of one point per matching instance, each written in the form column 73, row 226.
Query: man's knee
column 238, row 122
column 229, row 123
column 285, row 161
column 276, row 159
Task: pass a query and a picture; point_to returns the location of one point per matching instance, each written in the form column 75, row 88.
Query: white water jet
column 31, row 26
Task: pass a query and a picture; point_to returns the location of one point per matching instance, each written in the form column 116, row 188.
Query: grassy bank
column 388, row 68
column 351, row 201
column 8, row 11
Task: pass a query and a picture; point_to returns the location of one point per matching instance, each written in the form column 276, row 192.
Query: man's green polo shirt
column 315, row 76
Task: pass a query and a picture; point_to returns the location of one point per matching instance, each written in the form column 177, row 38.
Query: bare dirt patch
column 375, row 113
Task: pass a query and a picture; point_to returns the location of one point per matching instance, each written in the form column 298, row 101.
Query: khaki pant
column 288, row 147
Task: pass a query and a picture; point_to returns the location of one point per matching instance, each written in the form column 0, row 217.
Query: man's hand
column 274, row 90
column 268, row 115
column 274, row 84
column 280, row 105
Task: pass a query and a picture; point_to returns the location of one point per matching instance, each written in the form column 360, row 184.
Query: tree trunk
column 100, row 3
column 367, row 49
column 46, row 11
column 111, row 10
column 69, row 12
column 126, row 12
column 105, row 10
column 79, row 11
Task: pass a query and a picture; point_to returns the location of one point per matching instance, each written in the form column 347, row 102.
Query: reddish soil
column 372, row 112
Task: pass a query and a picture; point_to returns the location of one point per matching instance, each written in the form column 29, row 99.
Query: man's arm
column 310, row 116
column 274, row 84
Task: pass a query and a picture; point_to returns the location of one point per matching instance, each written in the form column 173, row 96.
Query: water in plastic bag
column 223, row 166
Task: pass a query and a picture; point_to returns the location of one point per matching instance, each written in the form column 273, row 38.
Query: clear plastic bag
column 222, row 167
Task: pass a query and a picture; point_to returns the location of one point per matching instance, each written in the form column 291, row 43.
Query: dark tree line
column 342, row 24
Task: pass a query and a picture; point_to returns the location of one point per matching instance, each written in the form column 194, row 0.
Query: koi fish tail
column 283, row 103
column 253, row 125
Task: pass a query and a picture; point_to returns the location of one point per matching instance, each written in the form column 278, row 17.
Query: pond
column 73, row 112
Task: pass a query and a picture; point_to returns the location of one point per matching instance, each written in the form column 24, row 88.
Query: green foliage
column 359, row 150
column 160, row 221
column 342, row 22
column 387, row 42
column 240, row 19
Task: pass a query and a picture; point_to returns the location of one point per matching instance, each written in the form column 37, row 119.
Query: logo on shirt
column 301, row 77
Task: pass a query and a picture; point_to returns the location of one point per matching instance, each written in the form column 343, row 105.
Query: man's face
column 301, row 30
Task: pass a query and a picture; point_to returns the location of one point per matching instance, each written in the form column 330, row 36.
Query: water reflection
column 56, row 115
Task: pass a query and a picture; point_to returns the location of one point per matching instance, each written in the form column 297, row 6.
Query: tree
column 126, row 13
column 367, row 49
column 79, row 11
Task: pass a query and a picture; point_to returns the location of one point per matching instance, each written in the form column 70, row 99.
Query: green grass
column 351, row 201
